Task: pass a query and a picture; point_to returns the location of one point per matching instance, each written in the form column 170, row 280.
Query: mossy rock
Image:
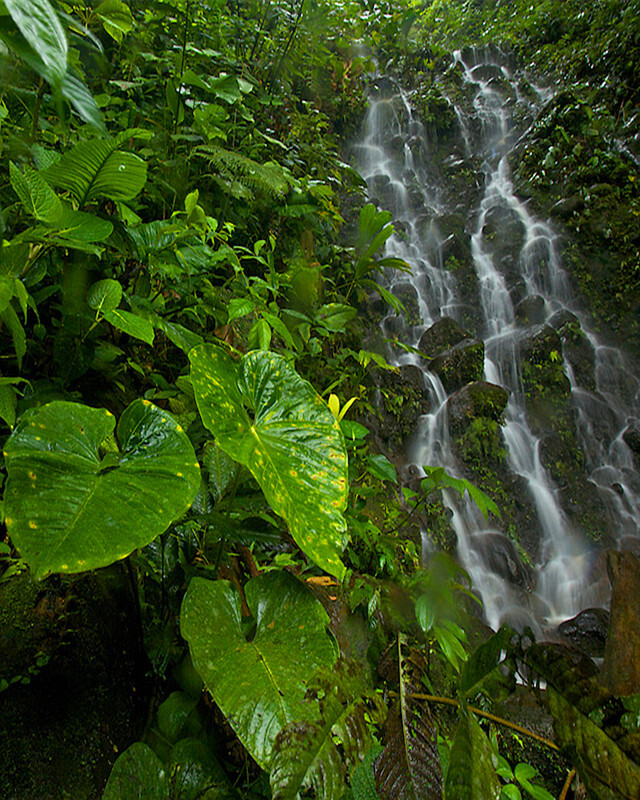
column 477, row 399
column 461, row 364
column 441, row 336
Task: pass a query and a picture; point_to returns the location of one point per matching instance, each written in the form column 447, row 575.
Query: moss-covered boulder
column 441, row 336
column 478, row 399
column 576, row 348
column 461, row 364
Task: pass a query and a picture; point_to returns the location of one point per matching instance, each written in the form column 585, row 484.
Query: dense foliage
column 175, row 256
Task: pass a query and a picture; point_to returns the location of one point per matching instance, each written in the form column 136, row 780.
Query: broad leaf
column 290, row 441
column 116, row 18
column 471, row 774
column 104, row 295
column 132, row 324
column 70, row 508
column 78, row 94
column 260, row 685
column 97, row 168
column 35, row 194
column 40, row 26
column 138, row 774
column 78, row 226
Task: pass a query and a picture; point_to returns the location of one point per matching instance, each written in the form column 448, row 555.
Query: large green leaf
column 98, row 168
column 116, row 18
column 289, row 440
column 40, row 26
column 138, row 774
column 132, row 324
column 70, row 508
column 260, row 685
column 471, row 774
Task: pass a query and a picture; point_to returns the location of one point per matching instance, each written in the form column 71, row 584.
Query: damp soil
column 72, row 673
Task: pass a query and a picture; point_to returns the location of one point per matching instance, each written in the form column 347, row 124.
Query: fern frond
column 269, row 177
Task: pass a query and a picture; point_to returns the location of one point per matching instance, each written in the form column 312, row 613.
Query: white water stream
column 393, row 157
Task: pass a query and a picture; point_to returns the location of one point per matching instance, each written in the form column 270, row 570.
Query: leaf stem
column 567, row 785
column 450, row 702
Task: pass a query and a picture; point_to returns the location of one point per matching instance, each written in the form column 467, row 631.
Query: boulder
column 621, row 665
column 576, row 348
column 531, row 310
column 407, row 294
column 537, row 344
column 500, row 556
column 478, row 399
column 587, row 631
column 441, row 336
column 461, row 364
column 631, row 436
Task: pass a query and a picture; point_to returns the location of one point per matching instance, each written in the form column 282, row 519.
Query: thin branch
column 567, row 785
column 478, row 712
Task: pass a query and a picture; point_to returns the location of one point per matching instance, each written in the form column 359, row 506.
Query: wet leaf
column 40, row 26
column 260, row 685
column 138, row 774
column 69, row 511
column 471, row 774
column 35, row 194
column 132, row 324
column 409, row 766
column 291, row 443
column 98, row 168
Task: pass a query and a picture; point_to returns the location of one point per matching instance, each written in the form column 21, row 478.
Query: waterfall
column 395, row 156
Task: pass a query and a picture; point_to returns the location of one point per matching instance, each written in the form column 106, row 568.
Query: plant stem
column 36, row 110
column 567, row 784
column 450, row 702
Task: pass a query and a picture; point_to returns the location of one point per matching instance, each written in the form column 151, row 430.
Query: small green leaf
column 104, row 295
column 334, row 316
column 116, row 18
column 380, row 467
column 8, row 404
column 173, row 714
column 132, row 324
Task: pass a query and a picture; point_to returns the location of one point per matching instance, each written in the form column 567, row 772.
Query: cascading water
column 394, row 159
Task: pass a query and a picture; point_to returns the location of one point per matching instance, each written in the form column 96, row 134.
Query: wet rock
column 408, row 296
column 461, row 364
column 566, row 207
column 442, row 335
column 478, row 399
column 538, row 343
column 402, row 398
column 621, row 666
column 576, row 348
column 504, row 236
column 531, row 310
column 500, row 556
column 631, row 436
column 587, row 631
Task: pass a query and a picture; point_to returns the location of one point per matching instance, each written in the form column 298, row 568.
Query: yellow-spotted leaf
column 264, row 415
column 73, row 502
column 259, row 685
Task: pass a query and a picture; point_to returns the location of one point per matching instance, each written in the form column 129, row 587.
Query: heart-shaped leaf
column 291, row 442
column 98, row 168
column 260, row 684
column 69, row 508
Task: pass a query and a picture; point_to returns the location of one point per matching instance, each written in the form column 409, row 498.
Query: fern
column 247, row 174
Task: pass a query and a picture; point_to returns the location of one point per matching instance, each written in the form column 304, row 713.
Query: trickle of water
column 392, row 157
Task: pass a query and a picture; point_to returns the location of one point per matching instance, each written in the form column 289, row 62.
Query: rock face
column 621, row 666
column 441, row 336
column 478, row 399
column 587, row 631
column 531, row 310
column 499, row 553
column 461, row 364
column 631, row 436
